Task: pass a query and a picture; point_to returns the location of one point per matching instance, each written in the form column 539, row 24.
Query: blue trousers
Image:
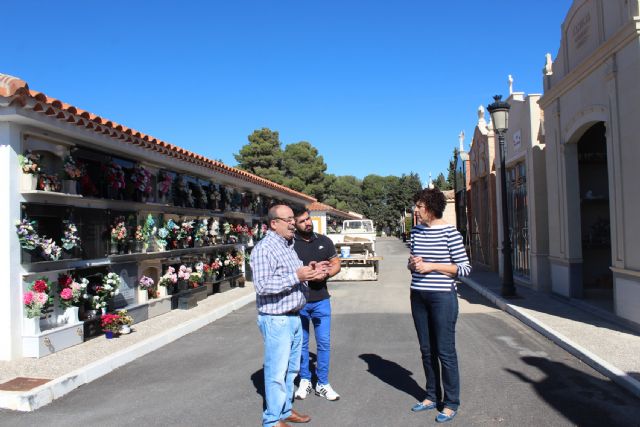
column 434, row 316
column 319, row 314
column 282, row 343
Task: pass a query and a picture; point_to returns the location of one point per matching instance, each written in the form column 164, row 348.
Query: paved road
column 511, row 376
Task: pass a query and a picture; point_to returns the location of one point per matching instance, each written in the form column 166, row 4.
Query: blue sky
column 378, row 87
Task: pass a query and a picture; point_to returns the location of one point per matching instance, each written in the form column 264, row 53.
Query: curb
column 605, row 368
column 43, row 395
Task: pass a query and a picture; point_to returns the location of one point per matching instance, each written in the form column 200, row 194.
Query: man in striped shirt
column 280, row 281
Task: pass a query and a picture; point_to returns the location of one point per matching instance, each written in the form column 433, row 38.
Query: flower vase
column 113, row 248
column 71, row 314
column 139, row 246
column 29, row 182
column 125, row 329
column 69, row 186
column 108, row 334
column 31, row 326
column 143, row 296
column 162, row 291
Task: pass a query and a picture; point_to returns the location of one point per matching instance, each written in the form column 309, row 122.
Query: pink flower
column 66, row 294
column 41, row 298
column 28, row 298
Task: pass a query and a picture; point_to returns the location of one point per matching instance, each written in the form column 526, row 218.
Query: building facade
column 483, row 233
column 526, row 192
column 591, row 103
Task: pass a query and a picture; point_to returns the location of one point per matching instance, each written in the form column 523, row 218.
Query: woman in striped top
column 437, row 258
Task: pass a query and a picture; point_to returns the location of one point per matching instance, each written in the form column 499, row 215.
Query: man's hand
column 309, row 273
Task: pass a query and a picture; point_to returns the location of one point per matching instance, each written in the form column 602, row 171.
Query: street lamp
column 499, row 111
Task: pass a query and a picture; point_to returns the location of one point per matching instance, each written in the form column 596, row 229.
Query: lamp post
column 499, row 111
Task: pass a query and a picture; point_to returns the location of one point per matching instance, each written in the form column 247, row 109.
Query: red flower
column 40, row 286
column 65, row 281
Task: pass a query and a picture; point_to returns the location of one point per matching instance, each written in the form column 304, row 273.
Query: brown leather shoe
column 282, row 424
column 297, row 418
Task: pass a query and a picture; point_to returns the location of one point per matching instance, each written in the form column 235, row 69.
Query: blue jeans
column 282, row 343
column 434, row 316
column 318, row 313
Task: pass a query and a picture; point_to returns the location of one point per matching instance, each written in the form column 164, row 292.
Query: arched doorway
column 597, row 280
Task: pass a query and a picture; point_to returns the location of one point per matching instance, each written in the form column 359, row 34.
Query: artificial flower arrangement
column 109, row 289
column 71, row 239
column 37, row 297
column 164, row 183
column 184, row 232
column 172, row 232
column 71, row 169
column 139, row 235
column 119, row 231
column 202, row 229
column 184, row 273
column 169, row 278
column 206, row 272
column 50, row 249
column 149, row 229
column 125, row 318
column 69, row 291
column 115, row 176
column 49, row 183
column 161, row 238
column 145, row 283
column 110, row 323
column 30, row 162
column 216, row 266
column 27, row 234
column 195, row 279
column 141, row 179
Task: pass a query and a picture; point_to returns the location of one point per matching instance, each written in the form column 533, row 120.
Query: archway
column 597, row 280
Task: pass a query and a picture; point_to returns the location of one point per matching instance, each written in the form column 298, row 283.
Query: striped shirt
column 274, row 264
column 438, row 244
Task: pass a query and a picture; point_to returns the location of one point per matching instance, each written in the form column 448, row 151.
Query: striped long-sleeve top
column 438, row 244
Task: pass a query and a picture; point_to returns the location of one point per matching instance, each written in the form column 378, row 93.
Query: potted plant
column 50, row 250
column 72, row 173
column 125, row 322
column 115, row 180
column 30, row 165
column 106, row 291
column 27, row 235
column 110, row 324
column 69, row 297
column 184, row 274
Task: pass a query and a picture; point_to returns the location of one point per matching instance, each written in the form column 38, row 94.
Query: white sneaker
column 326, row 391
column 303, row 389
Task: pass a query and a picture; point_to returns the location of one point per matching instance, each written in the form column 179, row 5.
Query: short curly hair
column 433, row 199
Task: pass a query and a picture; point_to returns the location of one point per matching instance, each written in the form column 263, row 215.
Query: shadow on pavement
column 257, row 378
column 566, row 390
column 393, row 374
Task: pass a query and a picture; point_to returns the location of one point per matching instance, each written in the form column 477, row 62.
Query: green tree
column 451, row 171
column 262, row 155
column 345, row 194
column 441, row 183
column 304, row 169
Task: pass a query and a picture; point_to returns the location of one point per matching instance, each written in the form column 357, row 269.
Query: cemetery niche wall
column 105, row 218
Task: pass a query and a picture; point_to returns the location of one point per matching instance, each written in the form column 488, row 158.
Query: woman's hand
column 424, row 267
column 413, row 262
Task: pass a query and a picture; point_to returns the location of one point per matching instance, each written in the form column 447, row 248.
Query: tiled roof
column 17, row 92
column 317, row 206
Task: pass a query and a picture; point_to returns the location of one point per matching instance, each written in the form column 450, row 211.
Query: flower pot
column 31, row 326
column 143, row 295
column 139, row 246
column 162, row 291
column 28, row 182
column 125, row 329
column 71, row 315
column 113, row 248
column 108, row 334
column 69, row 186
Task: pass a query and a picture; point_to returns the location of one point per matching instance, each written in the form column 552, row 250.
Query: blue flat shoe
column 443, row 418
column 419, row 407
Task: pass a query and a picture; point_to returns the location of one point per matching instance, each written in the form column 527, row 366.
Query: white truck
column 356, row 246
